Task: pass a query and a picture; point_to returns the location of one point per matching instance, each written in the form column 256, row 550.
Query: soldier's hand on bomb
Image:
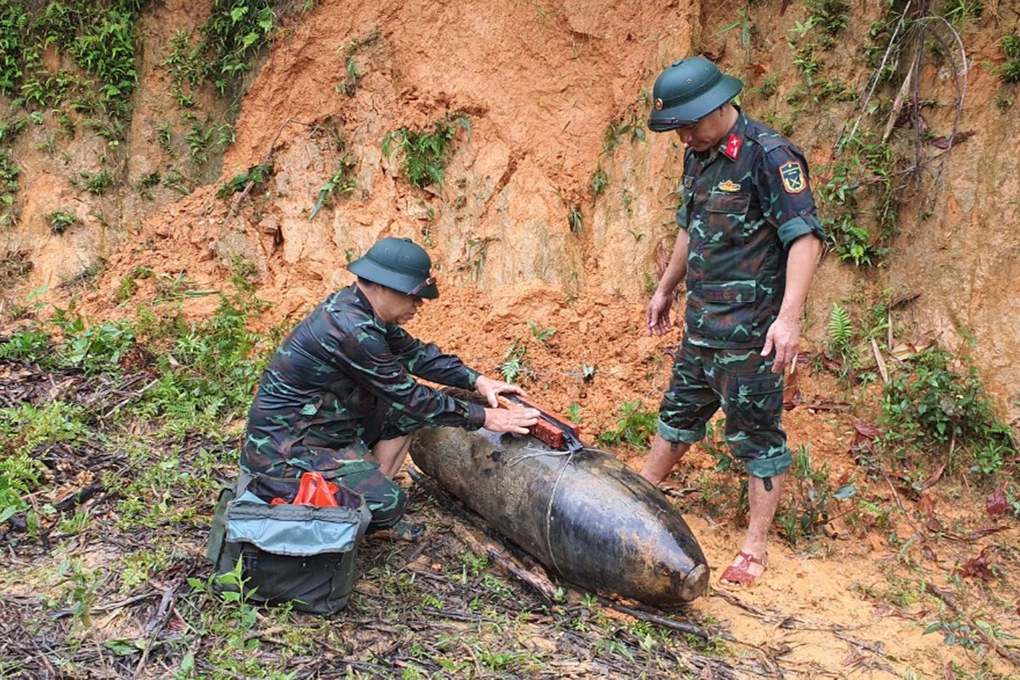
column 490, row 389
column 516, row 420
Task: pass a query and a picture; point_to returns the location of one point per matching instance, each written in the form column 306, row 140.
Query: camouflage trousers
column 354, row 466
column 742, row 383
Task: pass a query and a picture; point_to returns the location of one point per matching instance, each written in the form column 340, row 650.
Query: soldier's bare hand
column 658, row 313
column 784, row 337
column 516, row 420
column 490, row 389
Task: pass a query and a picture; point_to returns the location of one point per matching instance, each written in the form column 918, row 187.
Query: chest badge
column 793, row 177
column 729, row 186
column 733, row 145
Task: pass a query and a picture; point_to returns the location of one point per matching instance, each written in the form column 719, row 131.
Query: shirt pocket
column 727, row 214
column 727, row 312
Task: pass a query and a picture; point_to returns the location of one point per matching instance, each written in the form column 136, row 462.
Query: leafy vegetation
column 830, row 16
column 61, row 221
column 515, row 366
column 350, row 51
column 186, row 69
column 425, row 154
column 811, row 499
column 235, row 31
column 256, row 174
column 636, row 426
column 860, row 191
column 15, row 52
column 935, row 411
column 341, row 183
column 9, row 173
column 1009, row 71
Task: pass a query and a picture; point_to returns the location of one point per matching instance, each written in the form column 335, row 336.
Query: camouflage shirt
column 331, row 375
column 745, row 203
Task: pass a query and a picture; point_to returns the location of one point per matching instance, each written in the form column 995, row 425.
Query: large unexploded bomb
column 585, row 515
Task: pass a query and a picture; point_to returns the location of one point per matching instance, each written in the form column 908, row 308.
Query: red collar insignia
column 733, row 145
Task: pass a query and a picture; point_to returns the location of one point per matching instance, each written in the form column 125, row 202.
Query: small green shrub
column 94, row 349
column 234, row 32
column 61, row 221
column 199, row 138
column 126, row 290
column 340, row 183
column 861, row 189
column 26, row 343
column 185, row 67
column 599, row 182
column 515, row 366
column 14, row 51
column 426, row 154
column 932, row 408
column 96, row 183
column 106, row 48
column 959, row 12
column 352, row 74
column 24, row 430
column 1010, row 71
column 809, row 506
column 258, row 174
column 9, row 173
column 830, row 16
column 636, row 426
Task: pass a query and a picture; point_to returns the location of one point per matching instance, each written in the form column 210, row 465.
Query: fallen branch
column 661, row 621
column 155, row 625
column 878, row 360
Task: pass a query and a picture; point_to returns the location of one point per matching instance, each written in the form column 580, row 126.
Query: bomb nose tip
column 695, row 583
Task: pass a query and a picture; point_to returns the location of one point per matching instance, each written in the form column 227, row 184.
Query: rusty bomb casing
column 586, row 517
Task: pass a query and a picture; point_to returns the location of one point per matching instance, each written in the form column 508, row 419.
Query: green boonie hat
column 687, row 91
column 400, row 264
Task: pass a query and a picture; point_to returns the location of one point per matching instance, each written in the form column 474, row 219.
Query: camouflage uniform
column 339, row 383
column 744, row 204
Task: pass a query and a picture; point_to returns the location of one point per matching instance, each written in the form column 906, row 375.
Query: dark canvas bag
column 289, row 553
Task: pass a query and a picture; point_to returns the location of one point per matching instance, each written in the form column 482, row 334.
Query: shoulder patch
column 792, row 174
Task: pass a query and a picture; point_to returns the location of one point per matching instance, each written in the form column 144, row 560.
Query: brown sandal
column 737, row 574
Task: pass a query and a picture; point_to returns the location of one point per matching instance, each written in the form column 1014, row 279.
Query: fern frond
column 840, row 328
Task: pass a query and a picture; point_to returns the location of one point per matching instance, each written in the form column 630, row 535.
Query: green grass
column 27, row 432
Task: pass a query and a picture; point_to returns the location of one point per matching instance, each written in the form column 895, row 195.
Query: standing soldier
column 748, row 245
column 339, row 397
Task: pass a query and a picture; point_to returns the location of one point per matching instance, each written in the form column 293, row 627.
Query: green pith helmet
column 400, row 264
column 687, row 91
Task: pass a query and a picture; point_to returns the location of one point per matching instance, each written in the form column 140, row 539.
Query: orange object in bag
column 316, row 491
